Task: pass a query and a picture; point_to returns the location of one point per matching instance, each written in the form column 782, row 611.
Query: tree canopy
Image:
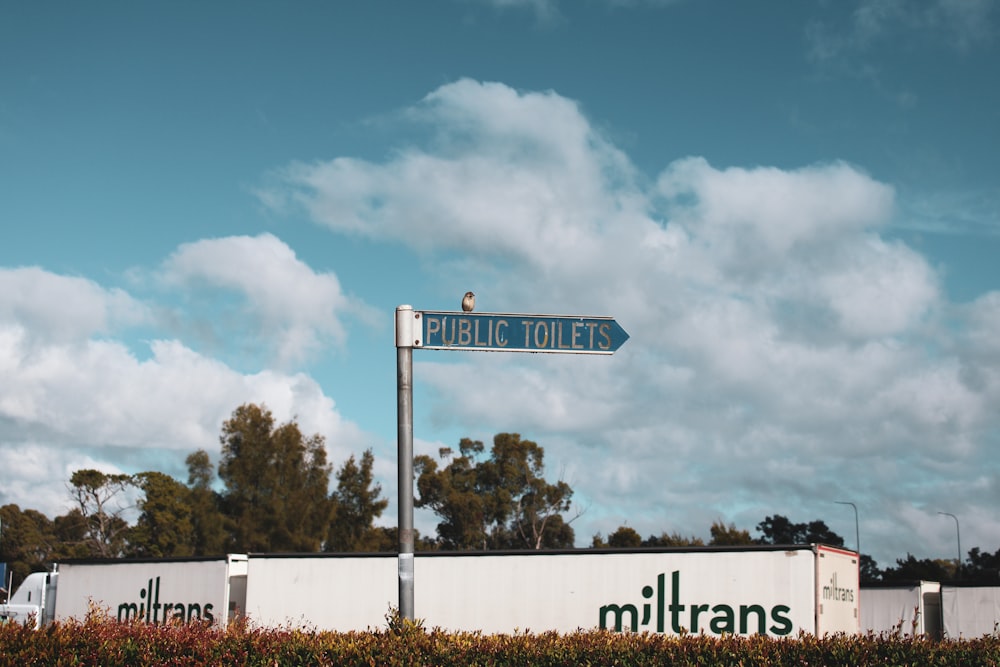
column 276, row 483
column 356, row 503
column 270, row 491
column 498, row 502
column 778, row 529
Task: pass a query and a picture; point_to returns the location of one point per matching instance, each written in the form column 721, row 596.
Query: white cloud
column 290, row 307
column 882, row 290
column 516, row 175
column 961, row 24
column 782, row 355
column 764, row 213
column 64, row 307
column 72, row 400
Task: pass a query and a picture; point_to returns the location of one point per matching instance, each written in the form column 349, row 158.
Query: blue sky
column 792, row 208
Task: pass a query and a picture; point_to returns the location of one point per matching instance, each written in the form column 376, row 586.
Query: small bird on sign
column 468, row 302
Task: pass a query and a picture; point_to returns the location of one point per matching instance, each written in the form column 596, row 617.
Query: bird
column 468, row 302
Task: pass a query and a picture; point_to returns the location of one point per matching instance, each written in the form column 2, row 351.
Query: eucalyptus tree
column 276, row 483
column 356, row 503
column 500, row 501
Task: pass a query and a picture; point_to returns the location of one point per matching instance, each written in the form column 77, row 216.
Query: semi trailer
column 779, row 591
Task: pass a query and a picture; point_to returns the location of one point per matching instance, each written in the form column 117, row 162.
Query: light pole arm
column 857, row 530
column 958, row 537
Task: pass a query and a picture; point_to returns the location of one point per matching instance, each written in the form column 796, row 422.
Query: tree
column 386, row 539
column 624, row 537
column 26, row 541
column 672, row 540
column 356, row 505
column 103, row 500
column 983, row 567
column 164, row 527
column 723, row 535
column 456, row 495
column 911, row 569
column 868, row 570
column 778, row 529
column 70, row 534
column 501, row 502
column 276, row 483
column 209, row 530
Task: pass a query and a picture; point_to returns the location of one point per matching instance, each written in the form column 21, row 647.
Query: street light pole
column 958, row 535
column 857, row 532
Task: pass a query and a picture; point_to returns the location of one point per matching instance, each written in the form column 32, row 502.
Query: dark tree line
column 275, row 496
column 979, row 567
column 271, row 492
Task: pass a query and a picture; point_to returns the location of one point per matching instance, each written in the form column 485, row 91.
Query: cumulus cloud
column 516, row 175
column 64, row 307
column 961, row 24
column 758, row 215
column 292, row 309
column 783, row 354
column 75, row 395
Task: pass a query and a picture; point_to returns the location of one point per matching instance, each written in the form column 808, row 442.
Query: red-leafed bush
column 105, row 643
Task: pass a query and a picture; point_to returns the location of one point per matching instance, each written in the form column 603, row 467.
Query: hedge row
column 96, row 641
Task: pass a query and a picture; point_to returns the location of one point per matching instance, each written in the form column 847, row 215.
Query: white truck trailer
column 906, row 609
column 778, row 591
column 970, row 611
column 159, row 591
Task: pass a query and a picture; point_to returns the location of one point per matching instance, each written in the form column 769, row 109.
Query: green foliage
column 673, row 540
column 276, row 483
column 98, row 641
column 624, row 537
column 983, row 567
column 209, row 526
column 356, row 505
column 164, row 527
column 911, row 569
column 723, row 535
column 27, row 542
column 102, row 499
column 500, row 502
column 778, row 529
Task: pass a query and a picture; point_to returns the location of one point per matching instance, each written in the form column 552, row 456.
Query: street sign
column 497, row 332
column 507, row 332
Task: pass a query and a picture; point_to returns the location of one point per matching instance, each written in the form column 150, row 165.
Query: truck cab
column 34, row 602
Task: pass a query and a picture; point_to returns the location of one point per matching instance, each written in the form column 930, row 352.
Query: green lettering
column 724, row 621
column 696, row 609
column 782, row 624
column 128, row 611
column 619, row 612
column 745, row 611
column 675, row 605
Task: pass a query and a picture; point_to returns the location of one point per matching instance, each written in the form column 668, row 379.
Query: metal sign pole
column 404, row 454
column 496, row 332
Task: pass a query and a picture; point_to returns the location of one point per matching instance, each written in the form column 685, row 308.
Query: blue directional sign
column 505, row 332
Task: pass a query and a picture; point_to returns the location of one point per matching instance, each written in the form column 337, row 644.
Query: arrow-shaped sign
column 508, row 332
